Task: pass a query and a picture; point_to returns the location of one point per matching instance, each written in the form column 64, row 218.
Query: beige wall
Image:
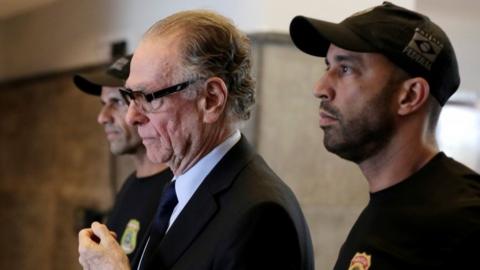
column 53, row 164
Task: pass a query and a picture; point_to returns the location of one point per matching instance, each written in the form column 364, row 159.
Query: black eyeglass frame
column 128, row 94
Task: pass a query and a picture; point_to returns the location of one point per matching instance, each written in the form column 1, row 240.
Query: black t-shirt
column 429, row 221
column 134, row 208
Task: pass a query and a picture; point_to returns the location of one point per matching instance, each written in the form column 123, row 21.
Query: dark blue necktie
column 160, row 222
column 164, row 211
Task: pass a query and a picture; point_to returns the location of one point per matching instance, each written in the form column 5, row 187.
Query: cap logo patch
column 119, row 64
column 423, row 48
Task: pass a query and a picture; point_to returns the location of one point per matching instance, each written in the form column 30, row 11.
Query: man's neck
column 400, row 159
column 199, row 148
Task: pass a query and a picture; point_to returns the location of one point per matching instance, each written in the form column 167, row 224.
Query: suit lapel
column 201, row 208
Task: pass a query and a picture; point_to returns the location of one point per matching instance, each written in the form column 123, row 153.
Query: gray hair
column 213, row 46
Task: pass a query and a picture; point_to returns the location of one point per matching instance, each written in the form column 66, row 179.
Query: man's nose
column 134, row 116
column 105, row 115
column 324, row 88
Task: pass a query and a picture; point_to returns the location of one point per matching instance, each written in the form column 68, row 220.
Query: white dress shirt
column 187, row 183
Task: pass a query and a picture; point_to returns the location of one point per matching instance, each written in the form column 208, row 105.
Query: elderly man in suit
column 189, row 90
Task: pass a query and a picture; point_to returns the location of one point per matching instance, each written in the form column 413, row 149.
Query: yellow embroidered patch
column 129, row 236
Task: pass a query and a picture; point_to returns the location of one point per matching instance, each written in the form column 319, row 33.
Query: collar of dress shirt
column 187, row 183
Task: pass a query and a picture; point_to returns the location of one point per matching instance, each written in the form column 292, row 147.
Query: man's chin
column 336, row 147
column 116, row 150
column 350, row 153
column 156, row 157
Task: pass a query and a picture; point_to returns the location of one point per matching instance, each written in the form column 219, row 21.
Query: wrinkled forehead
column 155, row 63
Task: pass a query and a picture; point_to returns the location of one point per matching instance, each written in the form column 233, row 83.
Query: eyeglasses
column 152, row 101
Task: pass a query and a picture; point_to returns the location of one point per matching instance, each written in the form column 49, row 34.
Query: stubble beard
column 362, row 135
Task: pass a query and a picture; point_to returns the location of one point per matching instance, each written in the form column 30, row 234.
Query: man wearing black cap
column 389, row 72
column 137, row 200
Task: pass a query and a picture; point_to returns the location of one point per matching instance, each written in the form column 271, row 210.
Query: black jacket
column 241, row 217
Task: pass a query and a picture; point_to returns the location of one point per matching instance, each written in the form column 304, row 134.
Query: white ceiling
column 10, row 8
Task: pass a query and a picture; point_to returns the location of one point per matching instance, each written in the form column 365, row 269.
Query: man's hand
column 99, row 250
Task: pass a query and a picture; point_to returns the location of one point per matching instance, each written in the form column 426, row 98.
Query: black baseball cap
column 409, row 39
column 114, row 75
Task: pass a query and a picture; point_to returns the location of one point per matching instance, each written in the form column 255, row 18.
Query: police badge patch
column 129, row 236
column 361, row 261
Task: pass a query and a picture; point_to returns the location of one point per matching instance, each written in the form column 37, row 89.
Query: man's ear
column 215, row 99
column 413, row 95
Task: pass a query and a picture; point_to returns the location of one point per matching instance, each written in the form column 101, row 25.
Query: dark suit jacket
column 241, row 217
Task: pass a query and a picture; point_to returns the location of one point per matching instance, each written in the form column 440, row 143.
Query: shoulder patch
column 129, row 236
column 361, row 261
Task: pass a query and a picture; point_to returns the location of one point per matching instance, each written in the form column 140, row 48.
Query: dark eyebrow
column 355, row 59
